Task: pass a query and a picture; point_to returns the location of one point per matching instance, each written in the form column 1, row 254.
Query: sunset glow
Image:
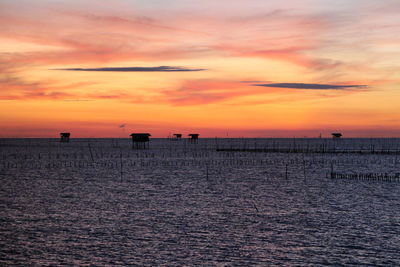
column 221, row 68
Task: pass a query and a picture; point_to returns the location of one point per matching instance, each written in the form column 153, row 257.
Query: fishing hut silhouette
column 140, row 140
column 193, row 138
column 177, row 137
column 64, row 137
column 336, row 135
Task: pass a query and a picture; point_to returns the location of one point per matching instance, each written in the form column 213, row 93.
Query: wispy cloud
column 310, row 86
column 77, row 100
column 16, row 86
column 253, row 81
column 135, row 69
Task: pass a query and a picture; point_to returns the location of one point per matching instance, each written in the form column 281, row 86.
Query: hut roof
column 65, row 134
column 140, row 134
column 193, row 135
column 336, row 134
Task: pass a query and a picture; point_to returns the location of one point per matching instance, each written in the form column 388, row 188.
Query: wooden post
column 286, row 171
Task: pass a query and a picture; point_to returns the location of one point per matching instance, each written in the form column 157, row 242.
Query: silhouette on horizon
column 177, row 137
column 193, row 138
column 336, row 135
column 139, row 140
column 64, row 137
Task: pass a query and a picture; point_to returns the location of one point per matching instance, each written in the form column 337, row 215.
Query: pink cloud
column 88, row 38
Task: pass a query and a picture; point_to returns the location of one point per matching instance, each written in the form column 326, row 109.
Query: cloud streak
column 310, row 86
column 135, row 69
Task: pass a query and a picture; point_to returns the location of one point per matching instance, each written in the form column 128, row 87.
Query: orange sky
column 237, row 68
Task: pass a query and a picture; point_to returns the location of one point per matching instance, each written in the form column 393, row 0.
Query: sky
column 236, row 68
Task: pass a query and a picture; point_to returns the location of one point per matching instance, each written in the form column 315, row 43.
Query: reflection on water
column 213, row 210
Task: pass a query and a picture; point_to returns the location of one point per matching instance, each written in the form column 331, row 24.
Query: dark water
column 185, row 204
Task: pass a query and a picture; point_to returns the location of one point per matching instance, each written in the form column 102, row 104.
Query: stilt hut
column 140, row 140
column 193, row 138
column 336, row 135
column 177, row 137
column 64, row 137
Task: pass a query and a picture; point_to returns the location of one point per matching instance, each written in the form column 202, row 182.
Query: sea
column 212, row 202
